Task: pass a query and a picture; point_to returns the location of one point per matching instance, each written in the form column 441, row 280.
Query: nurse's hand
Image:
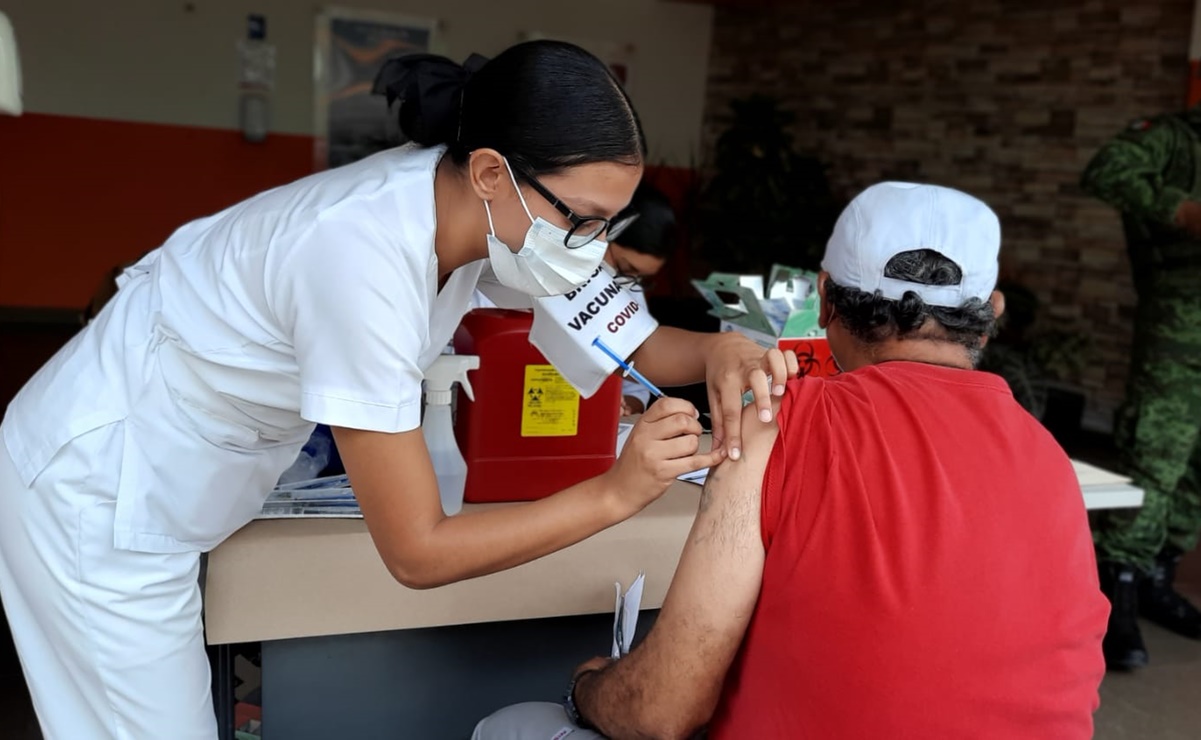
column 664, row 444
column 734, row 365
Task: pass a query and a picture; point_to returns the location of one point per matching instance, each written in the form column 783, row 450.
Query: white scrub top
column 314, row 303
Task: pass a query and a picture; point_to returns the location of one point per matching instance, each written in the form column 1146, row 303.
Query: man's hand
column 596, row 664
column 1188, row 217
column 733, row 365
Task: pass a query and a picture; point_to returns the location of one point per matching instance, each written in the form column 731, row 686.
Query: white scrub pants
column 111, row 641
column 536, row 720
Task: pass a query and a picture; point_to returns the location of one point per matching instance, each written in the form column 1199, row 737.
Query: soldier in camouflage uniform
column 1152, row 174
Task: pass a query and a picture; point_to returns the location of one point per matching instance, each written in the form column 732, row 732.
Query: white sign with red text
column 566, row 326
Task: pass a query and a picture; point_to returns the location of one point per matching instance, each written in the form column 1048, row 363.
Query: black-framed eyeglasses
column 636, row 283
column 584, row 229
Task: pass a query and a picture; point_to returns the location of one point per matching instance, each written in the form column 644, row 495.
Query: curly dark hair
column 872, row 318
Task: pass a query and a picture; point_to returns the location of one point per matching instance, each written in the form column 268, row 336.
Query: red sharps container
column 528, row 433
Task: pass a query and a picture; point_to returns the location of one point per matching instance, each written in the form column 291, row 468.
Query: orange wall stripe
column 79, row 196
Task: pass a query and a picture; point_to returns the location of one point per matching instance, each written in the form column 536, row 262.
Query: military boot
column 1123, row 645
column 1159, row 602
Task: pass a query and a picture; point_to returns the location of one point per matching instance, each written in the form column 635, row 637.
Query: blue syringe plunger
column 628, row 369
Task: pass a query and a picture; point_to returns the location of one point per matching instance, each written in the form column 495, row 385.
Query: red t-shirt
column 929, row 572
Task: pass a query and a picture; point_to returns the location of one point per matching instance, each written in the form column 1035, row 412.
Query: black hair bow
column 434, row 82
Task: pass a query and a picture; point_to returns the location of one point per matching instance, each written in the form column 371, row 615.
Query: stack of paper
column 1091, row 476
column 329, row 497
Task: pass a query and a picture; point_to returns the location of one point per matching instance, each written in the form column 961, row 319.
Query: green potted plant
column 764, row 203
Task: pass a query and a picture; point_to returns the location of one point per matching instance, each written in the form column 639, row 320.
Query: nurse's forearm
column 397, row 490
column 481, row 542
column 672, row 357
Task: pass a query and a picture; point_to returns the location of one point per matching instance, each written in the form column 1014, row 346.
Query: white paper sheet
column 565, row 327
column 625, row 616
column 623, row 434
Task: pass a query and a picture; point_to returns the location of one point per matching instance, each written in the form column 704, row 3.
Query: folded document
column 625, row 616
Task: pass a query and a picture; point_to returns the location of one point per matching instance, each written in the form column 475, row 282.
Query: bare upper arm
column 396, row 488
column 715, row 588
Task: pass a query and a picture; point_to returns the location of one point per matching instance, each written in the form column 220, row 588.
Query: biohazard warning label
column 551, row 407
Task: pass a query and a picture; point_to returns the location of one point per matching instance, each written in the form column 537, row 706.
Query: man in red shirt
column 904, row 554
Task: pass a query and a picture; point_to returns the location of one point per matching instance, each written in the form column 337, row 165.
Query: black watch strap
column 573, row 712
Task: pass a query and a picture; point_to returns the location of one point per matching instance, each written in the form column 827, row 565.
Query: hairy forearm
column 481, row 542
column 673, row 357
column 620, row 703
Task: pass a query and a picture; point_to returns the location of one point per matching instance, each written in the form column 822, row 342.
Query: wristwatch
column 573, row 712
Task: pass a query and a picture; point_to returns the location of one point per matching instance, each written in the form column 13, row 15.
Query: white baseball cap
column 894, row 217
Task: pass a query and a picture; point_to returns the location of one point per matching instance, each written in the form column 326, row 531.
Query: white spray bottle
column 438, row 426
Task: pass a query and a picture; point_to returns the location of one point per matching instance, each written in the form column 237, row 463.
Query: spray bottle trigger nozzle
column 447, row 370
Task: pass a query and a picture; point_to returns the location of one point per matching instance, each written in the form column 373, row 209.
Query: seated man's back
column 929, row 569
column 903, row 553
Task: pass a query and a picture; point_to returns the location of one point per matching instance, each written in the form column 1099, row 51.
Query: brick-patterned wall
column 1006, row 99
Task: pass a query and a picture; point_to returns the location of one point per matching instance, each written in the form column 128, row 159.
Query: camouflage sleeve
column 1129, row 172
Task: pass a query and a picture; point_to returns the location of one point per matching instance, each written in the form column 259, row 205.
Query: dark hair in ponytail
column 545, row 105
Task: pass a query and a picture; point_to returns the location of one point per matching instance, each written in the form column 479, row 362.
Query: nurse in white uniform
column 159, row 429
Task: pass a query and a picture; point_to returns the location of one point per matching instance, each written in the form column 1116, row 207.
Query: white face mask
column 544, row 266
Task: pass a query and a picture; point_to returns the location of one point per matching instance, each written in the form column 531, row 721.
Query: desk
column 283, row 579
column 338, row 630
